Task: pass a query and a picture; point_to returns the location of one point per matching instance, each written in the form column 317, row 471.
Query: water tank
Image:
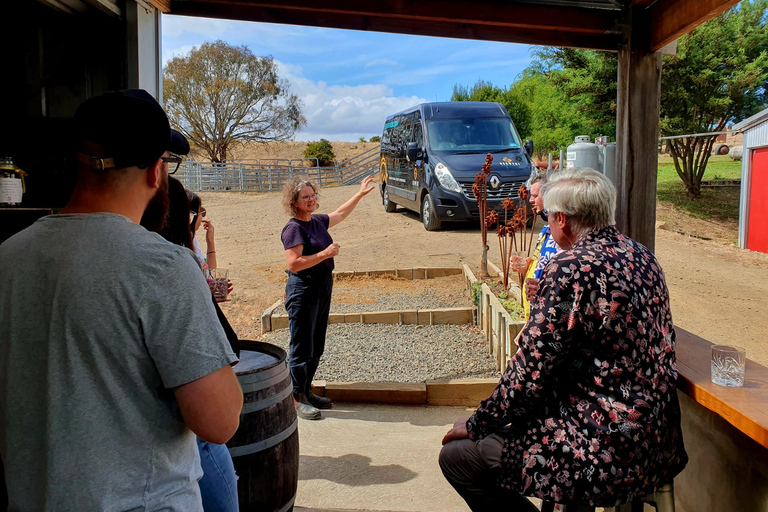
column 736, row 153
column 583, row 153
column 608, row 154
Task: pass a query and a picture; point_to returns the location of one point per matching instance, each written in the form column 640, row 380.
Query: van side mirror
column 529, row 147
column 413, row 151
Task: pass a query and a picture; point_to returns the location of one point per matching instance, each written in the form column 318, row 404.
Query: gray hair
column 539, row 177
column 585, row 195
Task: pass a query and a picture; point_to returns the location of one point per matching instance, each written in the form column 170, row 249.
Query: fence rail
column 268, row 175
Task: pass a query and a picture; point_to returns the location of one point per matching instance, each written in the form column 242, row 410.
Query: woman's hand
column 331, row 251
column 208, row 226
column 459, row 431
column 366, row 186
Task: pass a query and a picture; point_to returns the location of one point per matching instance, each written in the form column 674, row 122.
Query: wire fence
column 267, row 175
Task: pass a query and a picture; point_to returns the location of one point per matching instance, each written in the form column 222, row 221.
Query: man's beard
column 156, row 214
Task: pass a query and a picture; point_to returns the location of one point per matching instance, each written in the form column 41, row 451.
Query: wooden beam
column 412, row 26
column 488, row 12
column 163, row 6
column 637, row 132
column 671, row 19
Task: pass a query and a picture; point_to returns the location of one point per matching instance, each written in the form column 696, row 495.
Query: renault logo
column 495, row 182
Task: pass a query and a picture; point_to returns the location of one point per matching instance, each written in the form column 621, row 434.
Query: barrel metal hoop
column 239, row 451
column 288, row 505
column 263, row 404
column 249, row 387
column 247, row 378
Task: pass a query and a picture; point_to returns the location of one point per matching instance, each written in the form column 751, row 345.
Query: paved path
column 363, row 457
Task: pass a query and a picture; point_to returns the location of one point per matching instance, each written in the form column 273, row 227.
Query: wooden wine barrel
column 265, row 448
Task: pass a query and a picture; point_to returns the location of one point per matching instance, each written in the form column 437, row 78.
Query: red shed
column 753, row 212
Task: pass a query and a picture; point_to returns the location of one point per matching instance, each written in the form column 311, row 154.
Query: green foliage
column 375, row 138
column 552, row 116
column 361, row 139
column 511, row 99
column 322, row 150
column 477, row 288
column 719, row 74
column 218, row 95
column 513, row 307
column 587, row 79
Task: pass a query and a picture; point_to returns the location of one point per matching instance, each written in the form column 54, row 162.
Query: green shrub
column 477, row 286
column 322, row 150
column 375, row 138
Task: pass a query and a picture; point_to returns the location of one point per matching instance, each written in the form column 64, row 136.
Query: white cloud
column 181, row 50
column 343, row 112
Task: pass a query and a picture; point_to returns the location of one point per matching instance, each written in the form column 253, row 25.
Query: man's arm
column 211, row 405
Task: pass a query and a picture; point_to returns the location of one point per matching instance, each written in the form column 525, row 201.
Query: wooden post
column 637, row 131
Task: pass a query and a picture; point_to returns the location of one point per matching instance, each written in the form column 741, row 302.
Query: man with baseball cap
column 111, row 354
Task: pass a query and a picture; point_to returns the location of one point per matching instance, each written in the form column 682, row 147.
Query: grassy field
column 720, row 203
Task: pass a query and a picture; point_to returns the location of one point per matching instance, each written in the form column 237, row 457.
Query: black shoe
column 321, row 402
column 306, row 411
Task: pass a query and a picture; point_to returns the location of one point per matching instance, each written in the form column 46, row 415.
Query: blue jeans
column 218, row 487
column 308, row 302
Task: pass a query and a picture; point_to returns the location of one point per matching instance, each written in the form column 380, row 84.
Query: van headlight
column 446, row 179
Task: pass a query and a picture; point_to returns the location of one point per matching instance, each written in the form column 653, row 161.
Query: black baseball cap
column 130, row 127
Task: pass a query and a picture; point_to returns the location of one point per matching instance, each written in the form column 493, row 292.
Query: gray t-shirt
column 99, row 318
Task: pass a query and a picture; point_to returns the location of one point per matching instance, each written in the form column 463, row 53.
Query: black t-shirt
column 314, row 236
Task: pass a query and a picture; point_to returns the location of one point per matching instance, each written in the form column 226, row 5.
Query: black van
column 431, row 153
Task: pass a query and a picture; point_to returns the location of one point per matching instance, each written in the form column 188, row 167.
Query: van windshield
column 481, row 134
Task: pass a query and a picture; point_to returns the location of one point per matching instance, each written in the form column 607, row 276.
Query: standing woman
column 309, row 253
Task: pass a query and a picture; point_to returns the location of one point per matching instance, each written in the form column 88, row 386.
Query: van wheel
column 389, row 206
column 428, row 215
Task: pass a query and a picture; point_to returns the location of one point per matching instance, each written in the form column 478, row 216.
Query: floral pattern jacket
column 588, row 405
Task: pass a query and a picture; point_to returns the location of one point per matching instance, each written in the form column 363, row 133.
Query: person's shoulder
column 322, row 218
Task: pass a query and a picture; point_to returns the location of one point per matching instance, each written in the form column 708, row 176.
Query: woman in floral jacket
column 587, row 411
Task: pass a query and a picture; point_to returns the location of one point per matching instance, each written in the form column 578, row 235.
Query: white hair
column 584, row 195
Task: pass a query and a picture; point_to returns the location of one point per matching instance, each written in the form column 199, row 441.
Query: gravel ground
column 399, row 353
column 394, row 302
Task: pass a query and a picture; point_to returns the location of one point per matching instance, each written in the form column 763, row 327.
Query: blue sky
column 350, row 80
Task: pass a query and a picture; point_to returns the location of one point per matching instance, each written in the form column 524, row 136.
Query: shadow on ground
column 417, row 415
column 353, row 470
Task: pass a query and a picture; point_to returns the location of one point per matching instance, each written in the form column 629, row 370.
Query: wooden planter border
column 499, row 327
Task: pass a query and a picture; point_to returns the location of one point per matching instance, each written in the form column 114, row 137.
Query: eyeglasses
column 192, row 213
column 307, row 198
column 173, row 161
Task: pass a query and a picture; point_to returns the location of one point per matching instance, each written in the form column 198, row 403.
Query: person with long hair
column 197, row 213
column 309, row 253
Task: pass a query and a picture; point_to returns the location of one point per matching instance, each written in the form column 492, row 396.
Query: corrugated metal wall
column 755, row 137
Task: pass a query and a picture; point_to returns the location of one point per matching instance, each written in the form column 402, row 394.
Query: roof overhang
column 596, row 24
column 750, row 122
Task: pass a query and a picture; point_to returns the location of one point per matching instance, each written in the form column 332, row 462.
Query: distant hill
column 291, row 150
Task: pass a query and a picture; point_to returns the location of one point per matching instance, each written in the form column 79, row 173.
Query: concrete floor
column 364, row 457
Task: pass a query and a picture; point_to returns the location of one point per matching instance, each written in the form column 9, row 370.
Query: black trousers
column 471, row 467
column 308, row 302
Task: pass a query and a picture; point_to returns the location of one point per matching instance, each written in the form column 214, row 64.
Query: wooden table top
column 745, row 408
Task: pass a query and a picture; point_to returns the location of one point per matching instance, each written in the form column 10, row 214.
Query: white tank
column 583, row 153
column 736, row 153
column 608, row 155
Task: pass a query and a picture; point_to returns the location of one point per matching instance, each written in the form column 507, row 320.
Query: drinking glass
column 728, row 365
column 518, row 262
column 218, row 281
